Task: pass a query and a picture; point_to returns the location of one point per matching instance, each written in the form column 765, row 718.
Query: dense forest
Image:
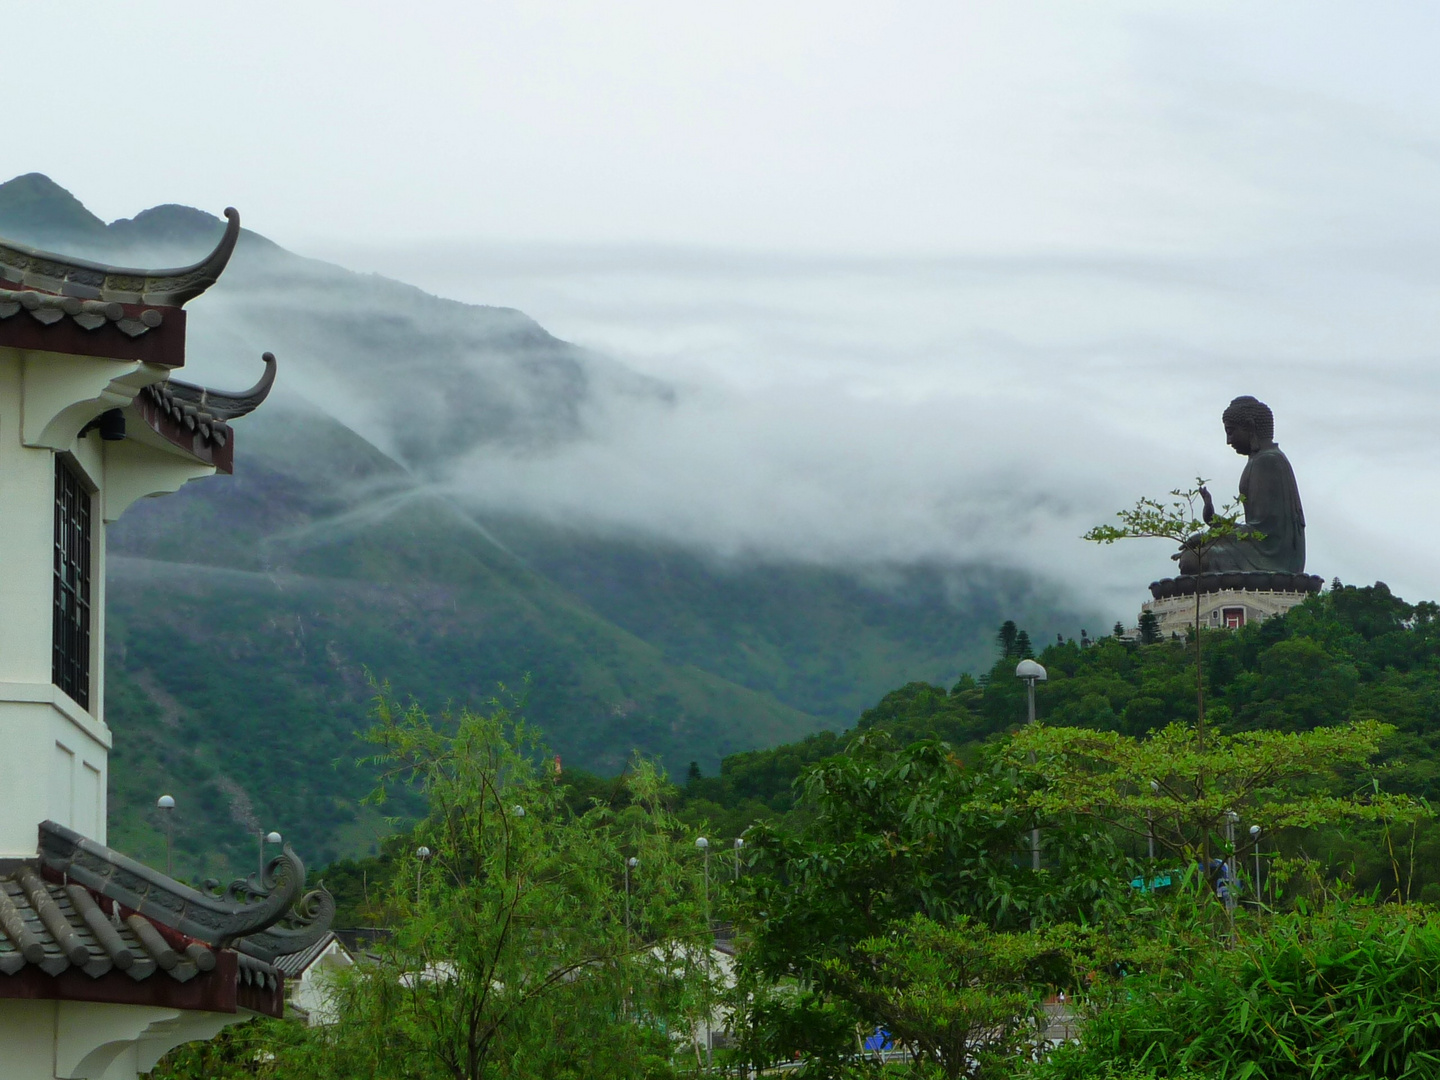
column 1348, row 653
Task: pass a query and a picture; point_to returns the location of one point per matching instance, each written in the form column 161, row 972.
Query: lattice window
column 71, row 631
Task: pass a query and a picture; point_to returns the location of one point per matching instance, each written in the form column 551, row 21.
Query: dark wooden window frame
column 73, row 573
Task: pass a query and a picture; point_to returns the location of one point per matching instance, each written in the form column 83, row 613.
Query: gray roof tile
column 27, row 268
column 56, row 927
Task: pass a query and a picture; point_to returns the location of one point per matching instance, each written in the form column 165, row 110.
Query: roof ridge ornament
column 308, row 921
column 44, row 271
column 248, row 906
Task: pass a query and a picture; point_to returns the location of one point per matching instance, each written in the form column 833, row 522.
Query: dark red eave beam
column 163, row 345
column 192, row 442
column 210, row 991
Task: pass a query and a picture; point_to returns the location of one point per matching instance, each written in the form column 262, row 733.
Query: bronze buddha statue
column 1272, row 536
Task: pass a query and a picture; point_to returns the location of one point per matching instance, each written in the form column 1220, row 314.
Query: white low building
column 311, row 979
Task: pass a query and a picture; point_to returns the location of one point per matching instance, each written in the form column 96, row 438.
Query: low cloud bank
column 857, row 411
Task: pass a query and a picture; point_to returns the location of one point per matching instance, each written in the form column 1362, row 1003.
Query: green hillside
column 248, row 614
column 823, row 641
column 256, row 664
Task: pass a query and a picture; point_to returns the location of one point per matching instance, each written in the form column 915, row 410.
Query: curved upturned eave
column 224, row 404
column 48, row 272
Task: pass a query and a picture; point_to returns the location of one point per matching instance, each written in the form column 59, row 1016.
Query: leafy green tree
column 1170, row 787
column 517, row 941
column 919, row 711
column 884, row 833
column 966, row 1000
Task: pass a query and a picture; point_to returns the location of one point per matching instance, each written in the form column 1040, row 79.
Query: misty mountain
column 249, row 614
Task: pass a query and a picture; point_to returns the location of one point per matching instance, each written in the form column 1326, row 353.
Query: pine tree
column 1023, row 648
column 1119, row 630
column 1149, row 628
column 1006, row 638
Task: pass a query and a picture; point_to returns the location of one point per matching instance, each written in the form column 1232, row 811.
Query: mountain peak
column 37, row 211
column 34, row 206
column 168, row 225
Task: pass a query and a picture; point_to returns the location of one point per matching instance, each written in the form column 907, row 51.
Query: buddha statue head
column 1249, row 425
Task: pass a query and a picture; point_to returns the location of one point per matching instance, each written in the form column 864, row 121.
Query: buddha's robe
column 1272, row 508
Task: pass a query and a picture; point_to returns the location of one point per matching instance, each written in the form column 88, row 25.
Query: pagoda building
column 105, row 964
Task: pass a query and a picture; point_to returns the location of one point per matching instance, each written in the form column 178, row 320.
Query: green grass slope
column 826, row 640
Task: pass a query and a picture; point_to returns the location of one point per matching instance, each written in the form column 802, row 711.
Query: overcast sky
column 829, row 126
column 940, row 278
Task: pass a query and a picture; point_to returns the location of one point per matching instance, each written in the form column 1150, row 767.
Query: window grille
column 71, row 631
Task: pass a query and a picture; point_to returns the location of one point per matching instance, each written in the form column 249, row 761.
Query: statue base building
column 1227, row 600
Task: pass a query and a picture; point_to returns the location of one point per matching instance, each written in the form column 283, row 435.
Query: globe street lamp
column 630, row 864
column 166, row 804
column 704, row 846
column 1255, row 839
column 421, row 854
column 266, row 838
column 739, row 843
column 1032, row 673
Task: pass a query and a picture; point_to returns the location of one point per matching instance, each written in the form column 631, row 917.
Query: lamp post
column 1032, row 673
column 739, row 843
column 166, row 804
column 704, row 846
column 1150, row 821
column 630, row 864
column 421, row 854
column 266, row 838
column 1231, row 818
column 1255, row 839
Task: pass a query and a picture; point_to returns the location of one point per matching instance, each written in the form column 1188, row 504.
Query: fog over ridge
column 863, row 411
column 974, row 410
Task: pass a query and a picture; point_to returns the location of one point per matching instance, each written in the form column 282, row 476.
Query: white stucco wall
column 75, row 1040
column 1176, row 614
column 314, row 989
column 54, row 753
